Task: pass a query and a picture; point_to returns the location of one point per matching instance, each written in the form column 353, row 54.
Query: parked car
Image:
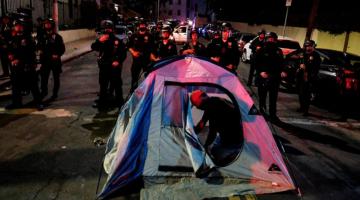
column 339, row 72
column 243, row 39
column 208, row 31
column 181, row 34
column 286, row 44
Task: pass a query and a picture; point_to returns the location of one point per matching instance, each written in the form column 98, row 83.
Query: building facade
column 69, row 11
column 181, row 9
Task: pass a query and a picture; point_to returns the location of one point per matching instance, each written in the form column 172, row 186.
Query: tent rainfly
column 154, row 138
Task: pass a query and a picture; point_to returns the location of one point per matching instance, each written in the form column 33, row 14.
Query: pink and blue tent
column 154, row 138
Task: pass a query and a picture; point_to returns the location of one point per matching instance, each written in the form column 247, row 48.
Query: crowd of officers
column 146, row 49
column 19, row 50
column 267, row 64
column 267, row 61
column 24, row 58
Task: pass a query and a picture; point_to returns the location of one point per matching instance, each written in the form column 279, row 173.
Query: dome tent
column 154, row 137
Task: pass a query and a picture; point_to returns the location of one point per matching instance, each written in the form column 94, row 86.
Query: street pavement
column 50, row 154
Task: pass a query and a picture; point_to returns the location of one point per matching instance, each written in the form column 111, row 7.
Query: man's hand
column 302, row 66
column 55, row 57
column 15, row 62
column 115, row 64
column 264, row 75
column 11, row 57
column 216, row 59
column 230, row 66
column 188, row 51
column 135, row 54
column 283, row 74
column 104, row 38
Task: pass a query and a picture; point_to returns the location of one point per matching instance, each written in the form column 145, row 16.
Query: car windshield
column 288, row 44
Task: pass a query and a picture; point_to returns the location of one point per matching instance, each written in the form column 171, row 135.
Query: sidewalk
column 74, row 50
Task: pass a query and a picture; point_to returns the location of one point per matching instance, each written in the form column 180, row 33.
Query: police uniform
column 270, row 60
column 142, row 43
column 50, row 44
column 199, row 48
column 226, row 50
column 306, row 78
column 23, row 72
column 5, row 37
column 255, row 46
column 165, row 50
column 110, row 51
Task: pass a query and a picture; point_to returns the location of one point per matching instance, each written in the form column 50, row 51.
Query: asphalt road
column 50, row 154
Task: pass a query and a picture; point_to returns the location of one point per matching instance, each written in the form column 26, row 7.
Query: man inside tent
column 225, row 135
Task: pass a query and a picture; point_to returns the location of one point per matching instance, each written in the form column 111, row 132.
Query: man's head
column 5, row 19
column 18, row 27
column 49, row 25
column 165, row 32
column 261, row 35
column 198, row 97
column 309, row 46
column 142, row 27
column 107, row 26
column 271, row 37
column 226, row 30
column 194, row 35
column 39, row 20
column 216, row 35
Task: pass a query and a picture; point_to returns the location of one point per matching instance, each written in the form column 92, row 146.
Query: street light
column 287, row 4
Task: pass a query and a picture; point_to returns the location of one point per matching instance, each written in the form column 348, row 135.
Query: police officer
column 307, row 75
column 269, row 66
column 140, row 46
column 229, row 51
column 112, row 53
column 194, row 47
column 165, row 48
column 51, row 46
column 5, row 37
column 22, row 62
column 255, row 46
column 157, row 32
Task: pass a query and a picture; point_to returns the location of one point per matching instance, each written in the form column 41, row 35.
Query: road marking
column 49, row 113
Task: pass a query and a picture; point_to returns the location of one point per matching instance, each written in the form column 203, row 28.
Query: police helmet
column 50, row 21
column 5, row 16
column 193, row 31
column 308, row 43
column 166, row 29
column 20, row 21
column 226, row 26
column 19, row 25
column 107, row 24
column 142, row 22
column 217, row 34
column 262, row 32
column 271, row 35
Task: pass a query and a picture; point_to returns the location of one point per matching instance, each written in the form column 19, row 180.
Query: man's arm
column 210, row 138
column 201, row 124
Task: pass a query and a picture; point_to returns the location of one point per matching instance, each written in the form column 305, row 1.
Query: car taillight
column 348, row 72
column 351, row 84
